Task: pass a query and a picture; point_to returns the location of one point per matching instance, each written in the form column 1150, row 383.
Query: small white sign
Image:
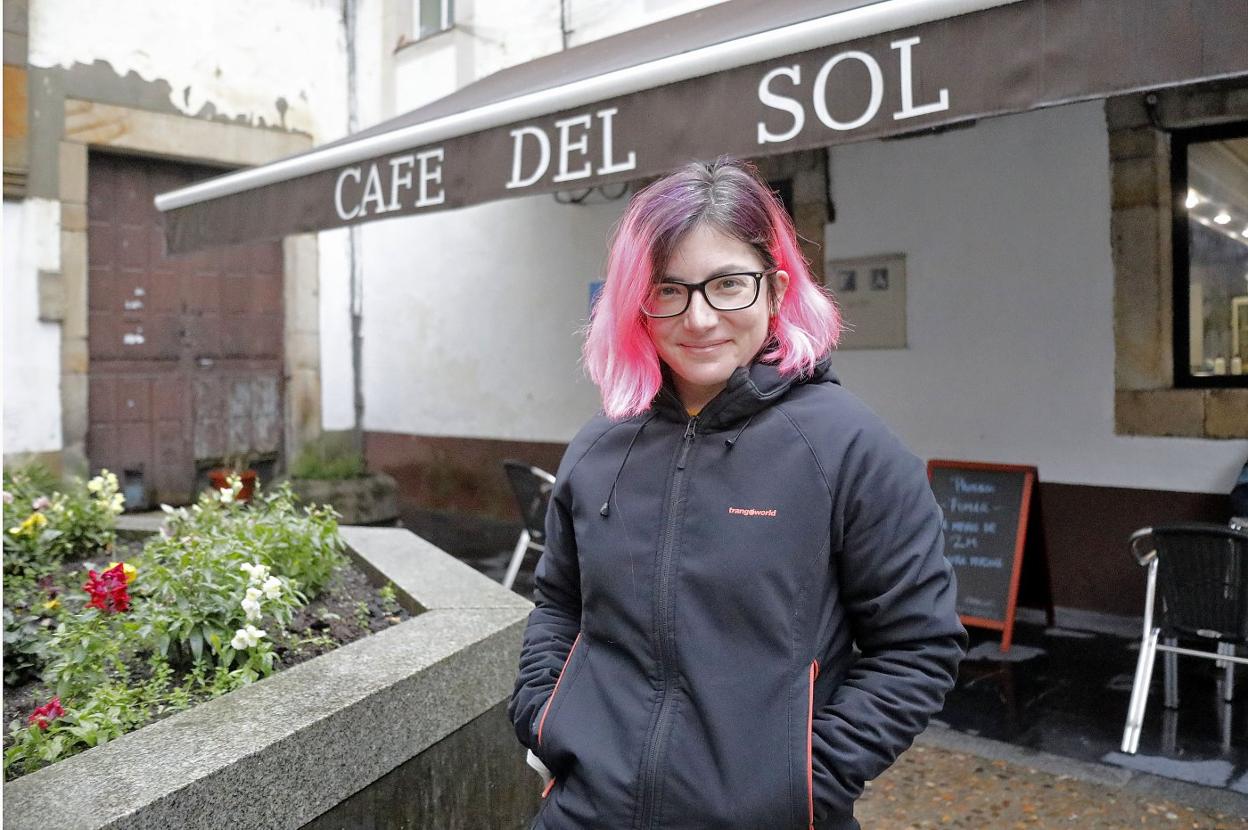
column 871, row 292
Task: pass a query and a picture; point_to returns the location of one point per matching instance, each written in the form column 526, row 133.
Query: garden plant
column 115, row 643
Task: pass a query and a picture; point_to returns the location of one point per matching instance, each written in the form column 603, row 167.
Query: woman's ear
column 779, row 284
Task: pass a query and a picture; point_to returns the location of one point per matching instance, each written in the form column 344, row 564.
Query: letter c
column 353, row 172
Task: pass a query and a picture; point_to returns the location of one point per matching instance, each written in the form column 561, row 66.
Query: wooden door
column 185, row 353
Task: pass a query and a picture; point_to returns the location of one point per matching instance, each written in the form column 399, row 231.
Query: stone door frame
column 89, row 125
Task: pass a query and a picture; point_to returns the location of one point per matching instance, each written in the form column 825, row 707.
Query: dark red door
column 185, row 353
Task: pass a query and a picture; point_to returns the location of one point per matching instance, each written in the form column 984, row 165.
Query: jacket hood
column 750, row 390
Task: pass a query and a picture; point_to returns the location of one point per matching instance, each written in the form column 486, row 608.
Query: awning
column 745, row 78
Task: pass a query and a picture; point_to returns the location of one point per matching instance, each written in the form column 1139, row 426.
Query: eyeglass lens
column 730, row 292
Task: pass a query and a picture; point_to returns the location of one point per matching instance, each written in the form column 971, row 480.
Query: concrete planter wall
column 367, row 500
column 405, row 728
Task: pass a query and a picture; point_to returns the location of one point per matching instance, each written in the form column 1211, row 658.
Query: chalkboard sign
column 988, row 511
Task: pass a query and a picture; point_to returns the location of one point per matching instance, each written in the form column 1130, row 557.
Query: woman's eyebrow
column 731, row 268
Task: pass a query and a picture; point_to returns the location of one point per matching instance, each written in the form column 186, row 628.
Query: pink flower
column 46, row 713
column 108, row 590
column 40, row 503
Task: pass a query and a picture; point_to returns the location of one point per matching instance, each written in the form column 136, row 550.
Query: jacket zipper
column 650, row 768
column 810, row 725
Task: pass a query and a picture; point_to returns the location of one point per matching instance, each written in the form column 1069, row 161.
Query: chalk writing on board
column 981, row 510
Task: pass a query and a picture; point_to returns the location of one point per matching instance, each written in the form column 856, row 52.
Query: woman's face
column 704, row 346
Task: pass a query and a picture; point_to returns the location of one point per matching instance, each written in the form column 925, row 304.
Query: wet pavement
column 934, row 787
column 1026, row 739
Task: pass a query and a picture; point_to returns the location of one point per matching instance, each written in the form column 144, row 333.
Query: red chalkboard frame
column 1031, row 483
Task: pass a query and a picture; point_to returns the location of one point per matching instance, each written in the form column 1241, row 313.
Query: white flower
column 272, row 587
column 227, row 495
column 247, row 637
column 254, row 593
column 95, row 484
column 251, row 608
column 118, row 503
column 255, row 573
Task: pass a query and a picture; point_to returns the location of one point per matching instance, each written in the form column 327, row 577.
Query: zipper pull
column 688, row 442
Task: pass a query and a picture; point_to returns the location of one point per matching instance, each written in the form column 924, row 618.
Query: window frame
column 1181, row 256
column 447, row 19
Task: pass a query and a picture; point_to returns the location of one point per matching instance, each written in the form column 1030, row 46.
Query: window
column 1210, row 175
column 431, row 16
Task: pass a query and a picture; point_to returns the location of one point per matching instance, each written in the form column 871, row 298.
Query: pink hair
column 729, row 195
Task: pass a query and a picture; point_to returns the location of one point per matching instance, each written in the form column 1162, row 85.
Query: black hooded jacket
column 741, row 616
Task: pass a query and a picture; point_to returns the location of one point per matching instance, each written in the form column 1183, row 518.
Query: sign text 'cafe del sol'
column 582, row 146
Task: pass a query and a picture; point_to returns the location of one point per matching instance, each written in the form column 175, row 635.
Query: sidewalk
column 948, row 779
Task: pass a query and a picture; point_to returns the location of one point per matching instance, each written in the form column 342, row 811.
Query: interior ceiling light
column 1193, row 199
column 1223, row 218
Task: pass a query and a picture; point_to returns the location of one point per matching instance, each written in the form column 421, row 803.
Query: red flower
column 108, row 590
column 47, row 712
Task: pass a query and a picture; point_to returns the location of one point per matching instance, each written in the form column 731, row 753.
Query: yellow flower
column 128, row 569
column 32, row 525
column 52, row 604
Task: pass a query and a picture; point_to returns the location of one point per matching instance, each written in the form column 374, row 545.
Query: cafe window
column 432, row 16
column 1210, row 176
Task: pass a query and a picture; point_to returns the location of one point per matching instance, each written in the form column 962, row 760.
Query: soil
column 349, row 608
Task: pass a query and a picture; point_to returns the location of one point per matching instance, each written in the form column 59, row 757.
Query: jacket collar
column 750, row 390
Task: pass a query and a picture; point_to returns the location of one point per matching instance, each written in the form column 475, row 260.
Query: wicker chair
column 531, row 486
column 1201, row 571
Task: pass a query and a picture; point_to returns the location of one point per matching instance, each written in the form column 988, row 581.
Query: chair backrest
column 1202, row 575
column 532, row 487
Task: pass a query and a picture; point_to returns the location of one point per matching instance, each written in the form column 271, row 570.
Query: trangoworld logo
column 751, row 511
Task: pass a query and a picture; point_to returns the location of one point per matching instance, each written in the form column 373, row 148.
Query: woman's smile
column 704, row 348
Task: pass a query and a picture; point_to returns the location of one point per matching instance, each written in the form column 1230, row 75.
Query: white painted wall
column 337, row 389
column 504, row 33
column 1010, row 280
column 238, row 56
column 595, row 19
column 471, row 319
column 32, row 350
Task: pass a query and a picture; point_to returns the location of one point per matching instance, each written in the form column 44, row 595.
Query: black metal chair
column 532, row 487
column 1201, row 570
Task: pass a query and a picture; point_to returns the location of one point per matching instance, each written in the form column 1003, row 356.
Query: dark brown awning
column 745, row 78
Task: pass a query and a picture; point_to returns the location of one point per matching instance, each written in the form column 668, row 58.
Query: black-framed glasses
column 724, row 292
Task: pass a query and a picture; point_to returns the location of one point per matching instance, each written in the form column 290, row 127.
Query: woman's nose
column 699, row 314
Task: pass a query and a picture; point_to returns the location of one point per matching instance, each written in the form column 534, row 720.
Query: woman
column 720, row 538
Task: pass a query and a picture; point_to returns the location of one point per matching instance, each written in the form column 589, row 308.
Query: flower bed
column 217, row 600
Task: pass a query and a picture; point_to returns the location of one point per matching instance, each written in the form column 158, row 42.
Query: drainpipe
column 349, row 11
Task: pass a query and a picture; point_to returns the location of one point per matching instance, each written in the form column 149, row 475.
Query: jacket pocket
column 810, row 720
column 542, row 746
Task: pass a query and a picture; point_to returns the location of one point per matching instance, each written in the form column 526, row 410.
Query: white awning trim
column 883, row 16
